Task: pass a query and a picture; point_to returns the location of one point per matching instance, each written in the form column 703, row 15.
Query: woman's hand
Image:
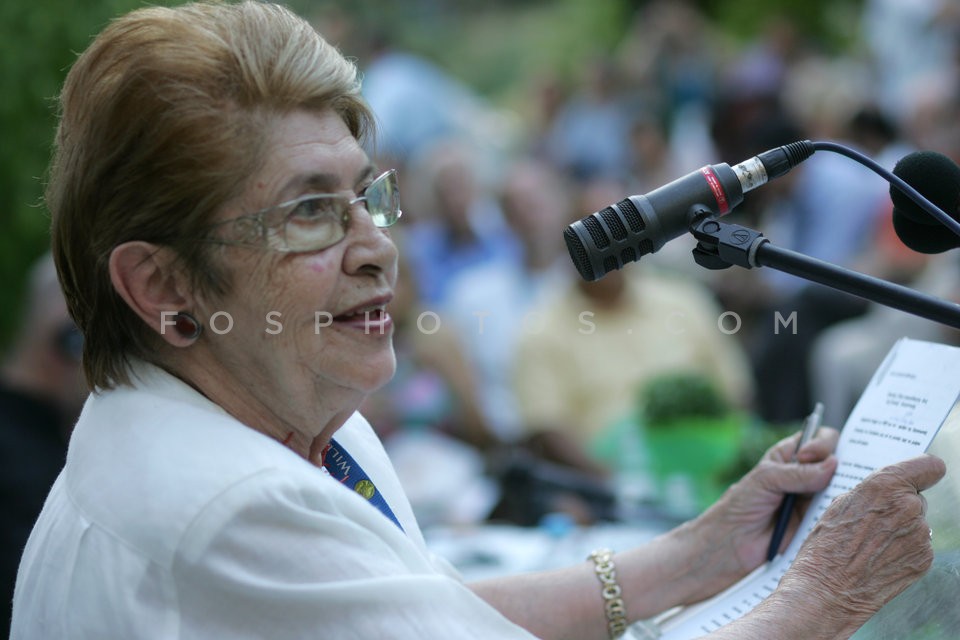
column 869, row 545
column 734, row 534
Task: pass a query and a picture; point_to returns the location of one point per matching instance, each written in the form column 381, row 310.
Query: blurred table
column 491, row 550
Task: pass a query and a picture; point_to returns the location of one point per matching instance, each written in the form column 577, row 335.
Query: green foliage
column 675, row 396
column 494, row 46
column 755, row 439
column 38, row 42
column 500, row 51
column 831, row 23
column 684, row 401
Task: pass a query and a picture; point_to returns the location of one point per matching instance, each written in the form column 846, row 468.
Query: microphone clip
column 721, row 245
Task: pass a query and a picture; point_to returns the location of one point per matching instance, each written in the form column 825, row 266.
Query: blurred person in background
column 434, row 385
column 488, row 302
column 670, row 60
column 460, row 225
column 588, row 347
column 912, row 46
column 669, row 56
column 41, row 392
column 207, row 174
column 589, row 135
column 833, row 211
column 418, row 103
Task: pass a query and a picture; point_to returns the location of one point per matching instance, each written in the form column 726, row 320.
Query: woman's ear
column 146, row 276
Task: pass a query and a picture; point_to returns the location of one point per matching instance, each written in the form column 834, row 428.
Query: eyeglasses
column 312, row 222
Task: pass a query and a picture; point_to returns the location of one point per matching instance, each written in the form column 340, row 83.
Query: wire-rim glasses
column 313, row 221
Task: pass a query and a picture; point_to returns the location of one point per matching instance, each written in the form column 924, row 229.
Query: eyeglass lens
column 304, row 230
column 383, row 199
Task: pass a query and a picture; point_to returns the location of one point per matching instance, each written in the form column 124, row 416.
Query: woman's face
column 309, row 334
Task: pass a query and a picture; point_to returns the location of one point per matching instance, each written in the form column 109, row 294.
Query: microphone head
column 937, row 178
column 630, row 229
column 609, row 239
column 578, row 253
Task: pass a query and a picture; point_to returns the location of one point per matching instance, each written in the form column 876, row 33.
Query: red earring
column 187, row 326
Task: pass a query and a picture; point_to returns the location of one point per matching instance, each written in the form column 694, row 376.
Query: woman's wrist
column 776, row 617
column 613, row 602
column 685, row 566
column 801, row 613
column 710, row 560
column 674, row 569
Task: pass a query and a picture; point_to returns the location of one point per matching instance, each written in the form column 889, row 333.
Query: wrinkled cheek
column 318, row 264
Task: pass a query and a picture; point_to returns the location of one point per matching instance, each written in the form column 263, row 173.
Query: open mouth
column 372, row 318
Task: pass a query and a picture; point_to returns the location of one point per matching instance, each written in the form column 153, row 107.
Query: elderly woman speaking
column 220, row 235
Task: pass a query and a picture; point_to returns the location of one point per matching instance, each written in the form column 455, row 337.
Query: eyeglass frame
column 258, row 229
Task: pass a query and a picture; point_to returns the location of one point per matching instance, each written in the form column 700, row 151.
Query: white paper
column 896, row 418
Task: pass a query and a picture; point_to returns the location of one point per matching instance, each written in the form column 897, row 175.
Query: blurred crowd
column 522, row 390
column 521, row 385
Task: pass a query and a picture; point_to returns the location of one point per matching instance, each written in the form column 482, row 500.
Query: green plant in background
column 677, row 396
column 756, row 438
column 692, row 437
column 689, row 425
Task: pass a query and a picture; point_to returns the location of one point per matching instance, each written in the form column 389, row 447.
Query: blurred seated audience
column 456, row 223
column 586, row 350
column 590, row 133
column 833, row 212
column 487, row 302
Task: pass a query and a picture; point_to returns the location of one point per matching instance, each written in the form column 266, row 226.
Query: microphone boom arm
column 721, row 245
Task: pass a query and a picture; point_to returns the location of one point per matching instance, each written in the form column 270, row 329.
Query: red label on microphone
column 718, row 193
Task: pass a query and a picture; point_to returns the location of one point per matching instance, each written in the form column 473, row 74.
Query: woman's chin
column 378, row 372
column 386, row 372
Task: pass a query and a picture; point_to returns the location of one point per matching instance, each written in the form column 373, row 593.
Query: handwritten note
column 896, row 418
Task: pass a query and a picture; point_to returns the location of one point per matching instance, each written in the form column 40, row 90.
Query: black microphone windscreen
column 578, row 254
column 613, row 237
column 937, row 178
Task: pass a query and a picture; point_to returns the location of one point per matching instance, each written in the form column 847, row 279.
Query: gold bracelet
column 612, row 601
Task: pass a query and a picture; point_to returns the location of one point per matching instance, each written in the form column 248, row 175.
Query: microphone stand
column 721, row 245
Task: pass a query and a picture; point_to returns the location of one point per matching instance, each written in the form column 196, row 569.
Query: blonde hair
column 162, row 120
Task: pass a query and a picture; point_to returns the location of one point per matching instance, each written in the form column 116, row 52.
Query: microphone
column 937, row 178
column 600, row 242
column 638, row 225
